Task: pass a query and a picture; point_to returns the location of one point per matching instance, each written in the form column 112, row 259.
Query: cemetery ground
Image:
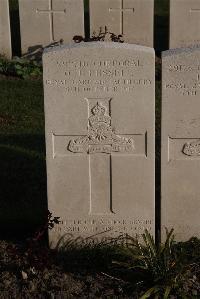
column 28, row 268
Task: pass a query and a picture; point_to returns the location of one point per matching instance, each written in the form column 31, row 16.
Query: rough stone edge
column 177, row 51
column 9, row 55
column 9, row 28
column 100, row 45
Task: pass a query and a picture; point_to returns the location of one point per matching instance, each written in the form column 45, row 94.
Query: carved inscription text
column 189, row 84
column 100, row 76
column 96, row 226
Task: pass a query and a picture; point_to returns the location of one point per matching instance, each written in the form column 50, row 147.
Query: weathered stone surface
column 44, row 22
column 99, row 110
column 181, row 142
column 5, row 37
column 133, row 19
column 184, row 23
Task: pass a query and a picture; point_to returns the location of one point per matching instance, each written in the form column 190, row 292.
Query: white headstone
column 44, row 22
column 5, row 36
column 99, row 110
column 181, row 142
column 133, row 19
column 184, row 23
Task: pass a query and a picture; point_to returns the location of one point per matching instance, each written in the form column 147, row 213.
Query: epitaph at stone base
column 99, row 114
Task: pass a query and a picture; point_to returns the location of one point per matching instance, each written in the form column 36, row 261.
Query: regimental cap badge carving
column 101, row 137
column 98, row 110
column 192, row 148
column 98, row 116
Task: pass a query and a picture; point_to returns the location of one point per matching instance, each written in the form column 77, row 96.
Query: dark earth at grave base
column 31, row 270
column 46, row 276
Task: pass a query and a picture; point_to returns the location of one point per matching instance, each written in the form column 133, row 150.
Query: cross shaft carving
column 101, row 139
column 122, row 9
column 51, row 13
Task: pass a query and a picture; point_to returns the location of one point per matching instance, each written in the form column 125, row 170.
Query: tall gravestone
column 99, row 110
column 133, row 19
column 45, row 22
column 5, row 36
column 181, row 142
column 184, row 23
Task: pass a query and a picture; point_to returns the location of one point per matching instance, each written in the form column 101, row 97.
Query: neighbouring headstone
column 5, row 36
column 45, row 22
column 99, row 110
column 184, row 23
column 133, row 19
column 181, row 142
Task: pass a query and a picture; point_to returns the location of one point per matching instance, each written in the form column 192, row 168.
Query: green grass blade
column 167, row 292
column 150, row 292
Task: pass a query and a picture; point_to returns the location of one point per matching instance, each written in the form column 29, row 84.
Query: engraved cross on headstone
column 51, row 13
column 194, row 10
column 100, row 143
column 122, row 10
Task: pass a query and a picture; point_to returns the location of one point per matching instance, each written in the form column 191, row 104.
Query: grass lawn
column 22, row 149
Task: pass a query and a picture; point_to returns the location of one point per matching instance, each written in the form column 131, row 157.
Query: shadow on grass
column 23, row 198
column 161, row 35
column 27, row 142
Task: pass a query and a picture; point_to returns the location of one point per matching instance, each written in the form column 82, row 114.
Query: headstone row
column 99, row 109
column 46, row 22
